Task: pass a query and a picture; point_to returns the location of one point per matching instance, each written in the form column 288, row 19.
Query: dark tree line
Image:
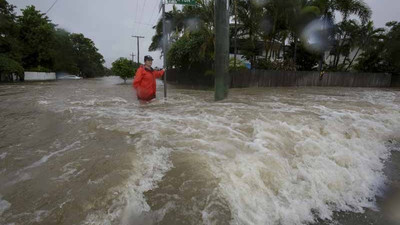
column 31, row 42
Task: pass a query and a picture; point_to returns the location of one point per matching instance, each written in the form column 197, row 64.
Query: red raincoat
column 145, row 82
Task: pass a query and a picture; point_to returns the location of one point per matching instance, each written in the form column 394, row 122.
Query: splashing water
column 264, row 156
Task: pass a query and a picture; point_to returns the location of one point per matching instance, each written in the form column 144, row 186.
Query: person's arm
column 158, row 73
column 138, row 78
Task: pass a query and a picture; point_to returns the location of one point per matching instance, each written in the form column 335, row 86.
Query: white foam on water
column 39, row 215
column 281, row 160
column 43, row 102
column 149, row 166
column 129, row 203
column 97, row 181
column 292, row 170
column 100, row 102
column 70, row 170
column 3, row 155
column 4, row 205
column 72, row 147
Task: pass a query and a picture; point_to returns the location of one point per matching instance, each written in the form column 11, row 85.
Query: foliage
column 269, row 35
column 32, row 41
column 108, row 72
column 191, row 36
column 87, row 58
column 392, row 46
column 8, row 67
column 239, row 64
column 9, row 44
column 36, row 35
column 64, row 54
column 183, row 56
column 305, row 60
column 124, row 68
column 40, row 69
column 382, row 53
column 265, row 64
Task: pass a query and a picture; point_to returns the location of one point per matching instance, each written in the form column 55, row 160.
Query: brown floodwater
column 87, row 152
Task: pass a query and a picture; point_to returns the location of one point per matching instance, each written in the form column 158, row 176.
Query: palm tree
column 367, row 34
column 189, row 23
column 249, row 16
column 302, row 14
column 346, row 8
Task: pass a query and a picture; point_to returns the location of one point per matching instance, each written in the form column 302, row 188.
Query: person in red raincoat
column 145, row 80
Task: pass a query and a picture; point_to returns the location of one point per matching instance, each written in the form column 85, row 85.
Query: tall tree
column 36, row 35
column 10, row 55
column 250, row 16
column 381, row 54
column 392, row 45
column 366, row 36
column 63, row 53
column 9, row 44
column 88, row 59
column 191, row 36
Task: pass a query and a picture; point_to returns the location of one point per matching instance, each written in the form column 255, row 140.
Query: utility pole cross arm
column 138, row 46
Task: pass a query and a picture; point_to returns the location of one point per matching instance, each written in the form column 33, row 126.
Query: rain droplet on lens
column 316, row 34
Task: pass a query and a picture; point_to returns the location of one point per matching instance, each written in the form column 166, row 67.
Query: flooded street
column 86, row 152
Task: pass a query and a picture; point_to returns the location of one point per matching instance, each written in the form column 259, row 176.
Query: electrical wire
column 136, row 9
column 157, row 10
column 141, row 16
column 51, row 6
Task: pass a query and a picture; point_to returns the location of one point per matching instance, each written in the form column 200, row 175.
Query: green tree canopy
column 382, row 50
column 88, row 59
column 9, row 44
column 38, row 45
column 8, row 67
column 36, row 35
column 63, row 53
column 124, row 68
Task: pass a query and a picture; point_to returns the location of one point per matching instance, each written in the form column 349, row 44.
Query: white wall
column 33, row 76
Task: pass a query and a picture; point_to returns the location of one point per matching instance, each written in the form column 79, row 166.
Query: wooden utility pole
column 138, row 46
column 165, row 37
column 235, row 37
column 221, row 49
column 133, row 56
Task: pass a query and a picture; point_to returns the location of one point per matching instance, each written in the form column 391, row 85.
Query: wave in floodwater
column 263, row 156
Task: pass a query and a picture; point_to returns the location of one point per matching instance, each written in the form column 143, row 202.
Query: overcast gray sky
column 110, row 24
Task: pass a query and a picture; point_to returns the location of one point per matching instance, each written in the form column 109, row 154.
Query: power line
column 156, row 8
column 51, row 6
column 146, row 24
column 137, row 6
column 141, row 16
column 138, row 46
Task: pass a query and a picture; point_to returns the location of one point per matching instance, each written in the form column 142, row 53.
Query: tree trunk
column 352, row 60
column 340, row 50
column 295, row 51
column 266, row 47
column 273, row 35
column 343, row 62
column 235, row 40
column 272, row 48
column 321, row 60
